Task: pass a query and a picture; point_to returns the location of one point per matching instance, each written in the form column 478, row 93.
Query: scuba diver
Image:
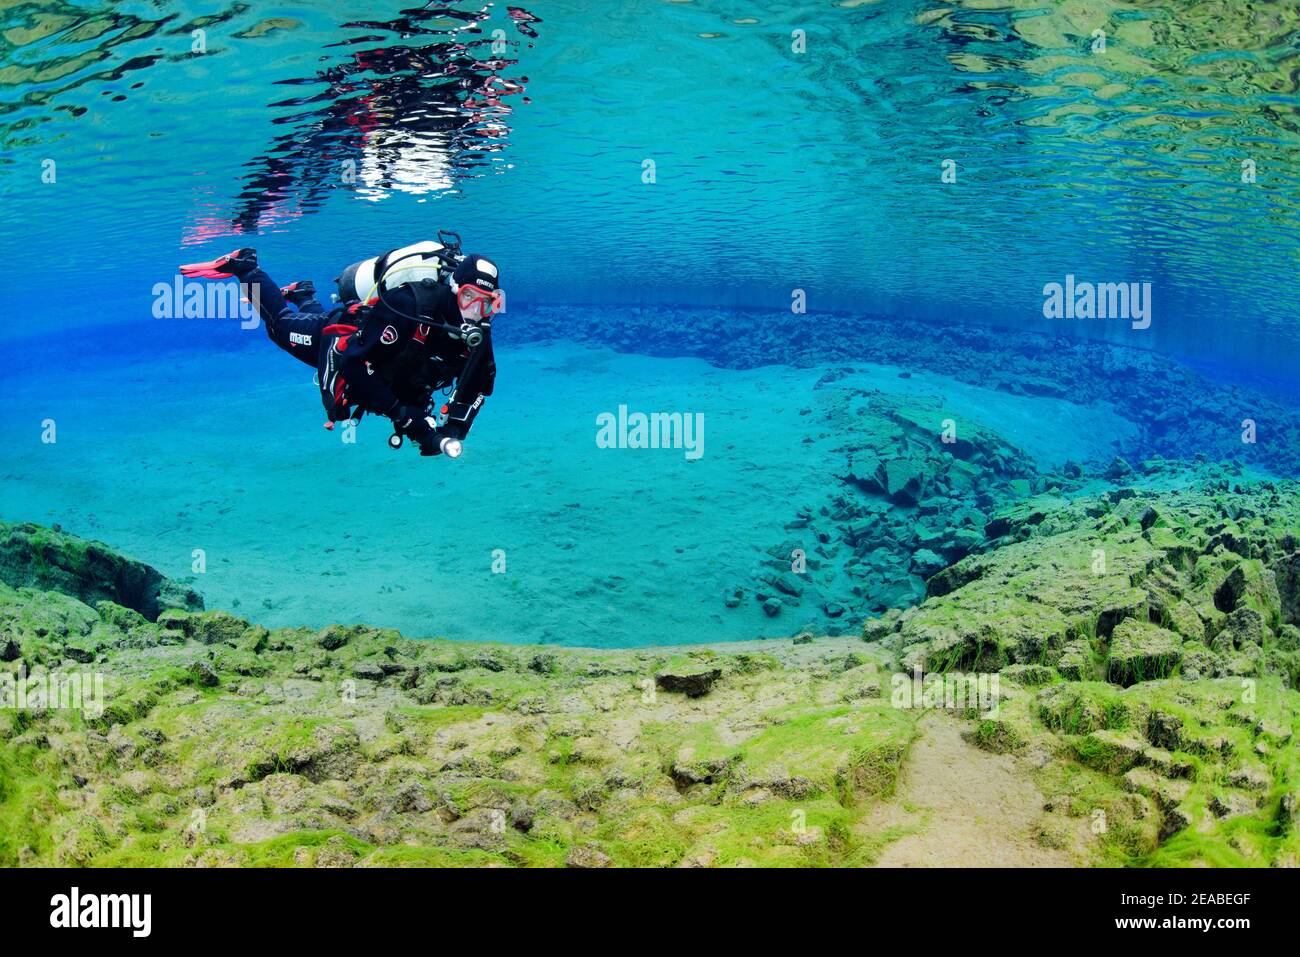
column 409, row 323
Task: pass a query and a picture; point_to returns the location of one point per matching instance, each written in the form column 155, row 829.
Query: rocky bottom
column 1110, row 679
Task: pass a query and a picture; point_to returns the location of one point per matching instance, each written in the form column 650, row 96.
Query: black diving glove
column 304, row 290
column 409, row 420
column 430, row 444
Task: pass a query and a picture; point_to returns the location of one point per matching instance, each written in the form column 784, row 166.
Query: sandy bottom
column 959, row 806
column 225, row 454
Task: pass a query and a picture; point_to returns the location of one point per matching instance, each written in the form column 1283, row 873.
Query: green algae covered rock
column 1124, row 587
column 1029, row 675
column 1288, row 586
column 49, row 559
column 451, row 754
column 1141, row 651
column 1081, row 708
column 694, row 683
column 354, row 746
column 996, row 735
column 216, row 627
column 1111, row 751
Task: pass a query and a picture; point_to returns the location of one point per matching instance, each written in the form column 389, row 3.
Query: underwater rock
column 687, row 774
column 123, row 619
column 215, row 627
column 455, row 753
column 1118, row 470
column 204, row 675
column 1016, row 518
column 174, row 619
column 903, row 481
column 878, row 629
column 1175, row 819
column 1248, row 583
column 1141, row 651
column 1064, row 571
column 544, row 663
column 1029, row 675
column 786, row 583
column 926, row 563
column 956, row 576
column 1231, row 804
column 1241, row 629
column 1180, row 617
column 931, row 492
column 38, row 557
column 693, row 684
column 1111, row 751
column 1165, row 730
column 866, row 471
column 1289, row 809
column 587, row 857
column 369, row 670
column 1288, row 586
column 333, row 637
column 1252, row 778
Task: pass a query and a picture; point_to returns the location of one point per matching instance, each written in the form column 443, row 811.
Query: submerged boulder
column 1113, row 752
column 904, row 482
column 1288, row 586
column 693, row 684
column 1249, row 584
column 215, row 627
column 1141, row 651
column 1243, row 628
column 49, row 559
column 926, row 563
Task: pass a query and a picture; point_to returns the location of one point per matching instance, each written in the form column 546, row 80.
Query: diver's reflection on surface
column 411, row 116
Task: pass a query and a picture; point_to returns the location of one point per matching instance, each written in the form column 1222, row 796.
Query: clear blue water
column 529, row 131
column 774, row 169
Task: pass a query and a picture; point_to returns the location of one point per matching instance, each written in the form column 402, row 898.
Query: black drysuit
column 379, row 359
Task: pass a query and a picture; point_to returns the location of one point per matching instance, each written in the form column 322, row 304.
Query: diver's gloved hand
column 442, row 443
column 437, row 443
column 304, row 290
column 409, row 420
column 240, row 262
column 429, row 444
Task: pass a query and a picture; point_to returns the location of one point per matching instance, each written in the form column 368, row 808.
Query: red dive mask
column 473, row 299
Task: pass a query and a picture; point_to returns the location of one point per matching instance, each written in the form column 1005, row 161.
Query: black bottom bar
column 335, row 907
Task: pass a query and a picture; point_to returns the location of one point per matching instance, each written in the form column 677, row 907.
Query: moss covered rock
column 1141, row 651
column 48, row 559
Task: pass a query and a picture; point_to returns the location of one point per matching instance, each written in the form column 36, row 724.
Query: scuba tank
column 372, row 277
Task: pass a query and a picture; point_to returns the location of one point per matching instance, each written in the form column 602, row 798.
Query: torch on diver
column 447, row 445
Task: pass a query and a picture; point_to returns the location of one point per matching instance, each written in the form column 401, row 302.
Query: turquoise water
column 798, row 152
